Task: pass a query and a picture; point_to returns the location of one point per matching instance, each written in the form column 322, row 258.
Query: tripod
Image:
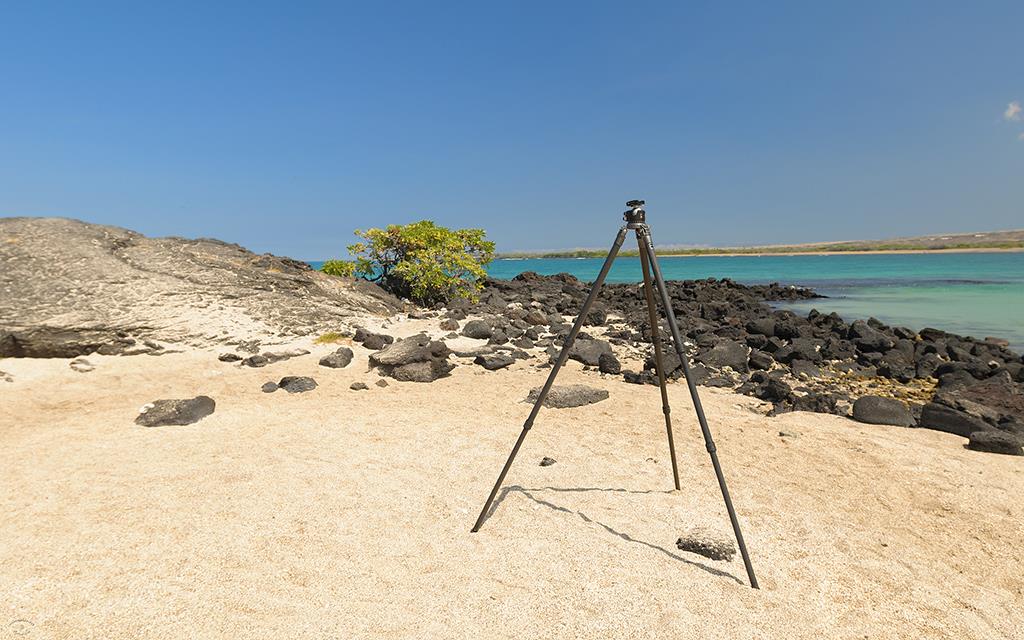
column 636, row 220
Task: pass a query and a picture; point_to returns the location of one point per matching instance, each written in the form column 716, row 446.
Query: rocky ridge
column 70, row 288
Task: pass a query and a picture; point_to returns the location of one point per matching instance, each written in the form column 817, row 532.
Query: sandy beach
column 347, row 514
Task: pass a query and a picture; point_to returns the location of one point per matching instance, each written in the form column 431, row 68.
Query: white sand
column 343, row 514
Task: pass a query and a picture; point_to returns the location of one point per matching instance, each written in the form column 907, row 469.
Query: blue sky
column 285, row 126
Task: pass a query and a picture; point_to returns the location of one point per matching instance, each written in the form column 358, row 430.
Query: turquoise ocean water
column 976, row 294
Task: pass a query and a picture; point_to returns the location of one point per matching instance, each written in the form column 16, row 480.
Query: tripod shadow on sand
column 625, row 536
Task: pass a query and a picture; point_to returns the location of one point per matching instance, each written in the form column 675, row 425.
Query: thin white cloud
column 1021, row 137
column 1012, row 111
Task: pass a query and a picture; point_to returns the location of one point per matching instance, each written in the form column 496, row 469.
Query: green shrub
column 332, row 337
column 424, row 262
column 338, row 268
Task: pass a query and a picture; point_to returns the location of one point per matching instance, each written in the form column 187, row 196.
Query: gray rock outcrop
column 70, row 288
column 337, row 360
column 414, row 359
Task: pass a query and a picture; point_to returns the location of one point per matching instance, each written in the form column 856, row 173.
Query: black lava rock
column 879, row 410
column 160, row 413
column 297, row 384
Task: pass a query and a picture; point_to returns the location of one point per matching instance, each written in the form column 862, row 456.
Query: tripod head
column 636, row 213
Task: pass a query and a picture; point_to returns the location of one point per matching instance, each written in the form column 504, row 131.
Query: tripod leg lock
column 711, row 447
column 666, row 409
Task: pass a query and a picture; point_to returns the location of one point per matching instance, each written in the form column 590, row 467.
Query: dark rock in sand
column 448, row 324
column 297, row 384
column 479, row 329
column 494, row 361
column 774, row 389
column 498, row 336
column 704, row 543
column 641, row 377
column 608, row 363
column 381, row 383
column 256, row 361
column 337, row 360
column 815, row 402
column 996, row 442
column 879, row 410
column 269, row 387
column 414, row 359
column 589, row 351
column 546, row 461
column 998, row 400
column 229, row 357
column 161, row 413
column 523, row 343
column 377, row 341
column 358, row 386
column 942, row 418
column 566, row 396
column 727, row 353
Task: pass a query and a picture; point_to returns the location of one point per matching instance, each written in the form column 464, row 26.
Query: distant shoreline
column 710, row 253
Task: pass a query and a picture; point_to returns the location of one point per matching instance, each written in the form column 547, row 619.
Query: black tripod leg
column 652, row 311
column 708, row 441
column 562, row 357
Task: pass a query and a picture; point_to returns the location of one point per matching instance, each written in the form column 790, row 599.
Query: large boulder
column 337, row 360
column 867, row 338
column 414, row 359
column 996, row 442
column 942, row 418
column 480, row 329
column 494, row 361
column 608, row 363
column 589, row 351
column 998, row 400
column 879, row 410
column 566, row 396
column 799, row 349
column 160, row 413
column 727, row 353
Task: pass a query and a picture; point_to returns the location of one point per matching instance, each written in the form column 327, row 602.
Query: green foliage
column 339, row 268
column 332, row 337
column 424, row 262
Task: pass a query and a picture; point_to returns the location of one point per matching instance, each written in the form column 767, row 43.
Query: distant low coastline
column 734, row 253
column 992, row 241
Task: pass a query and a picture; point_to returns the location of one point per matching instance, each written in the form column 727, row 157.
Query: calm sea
column 976, row 294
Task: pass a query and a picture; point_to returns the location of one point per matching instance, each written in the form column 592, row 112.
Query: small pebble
column 546, row 461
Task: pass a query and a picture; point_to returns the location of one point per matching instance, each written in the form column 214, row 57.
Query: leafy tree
column 422, row 261
column 339, row 268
